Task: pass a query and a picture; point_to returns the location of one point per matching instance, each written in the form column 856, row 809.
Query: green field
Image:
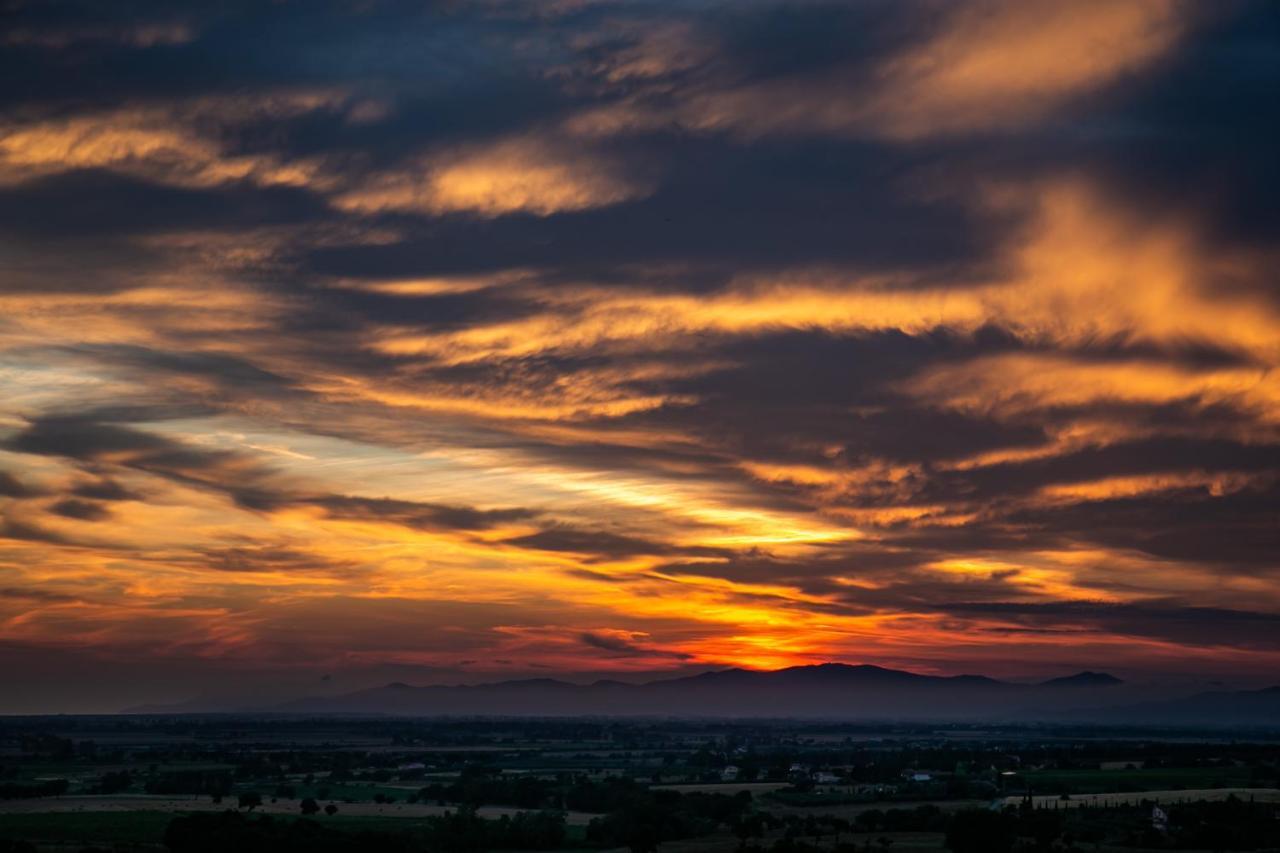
column 84, row 778
column 1142, row 779
column 143, row 827
column 355, row 792
column 96, row 827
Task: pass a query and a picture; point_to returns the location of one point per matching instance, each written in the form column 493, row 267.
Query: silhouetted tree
column 980, row 831
column 16, row 846
column 748, row 827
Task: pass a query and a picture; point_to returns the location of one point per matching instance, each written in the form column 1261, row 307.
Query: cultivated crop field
column 134, row 804
column 1093, row 781
column 595, row 785
column 1188, row 795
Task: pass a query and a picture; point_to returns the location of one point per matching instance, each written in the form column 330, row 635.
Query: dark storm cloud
column 1192, row 523
column 416, row 515
column 601, row 544
column 274, row 44
column 768, row 40
column 436, row 312
column 604, row 577
column 100, row 202
column 226, row 369
column 1168, row 621
column 787, row 396
column 722, row 204
column 273, row 559
column 718, row 208
column 717, row 203
column 80, row 510
column 247, row 482
column 89, row 438
column 899, row 587
column 621, row 646
column 1173, row 129
column 13, row 528
column 1238, row 530
column 12, row 487
column 34, row 594
column 420, row 515
column 597, row 542
column 1121, row 459
column 104, row 489
column 813, row 575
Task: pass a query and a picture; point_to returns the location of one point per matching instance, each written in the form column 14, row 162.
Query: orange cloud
column 1081, row 272
column 533, row 174
column 988, row 65
column 293, row 423
column 1001, row 63
column 164, row 143
column 1011, row 385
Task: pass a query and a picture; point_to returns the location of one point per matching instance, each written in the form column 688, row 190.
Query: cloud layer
column 620, row 337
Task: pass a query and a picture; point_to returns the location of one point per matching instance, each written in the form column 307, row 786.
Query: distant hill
column 826, row 691
column 1219, row 708
column 1083, row 679
column 191, row 706
column 832, row 690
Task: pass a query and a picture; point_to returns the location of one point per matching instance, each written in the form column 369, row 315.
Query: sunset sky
column 448, row 342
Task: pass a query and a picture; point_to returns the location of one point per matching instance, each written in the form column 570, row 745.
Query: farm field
column 754, row 788
column 102, row 828
column 915, row 842
column 146, row 827
column 850, row 811
column 131, row 804
column 1186, row 795
column 592, row 785
column 1092, row 781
